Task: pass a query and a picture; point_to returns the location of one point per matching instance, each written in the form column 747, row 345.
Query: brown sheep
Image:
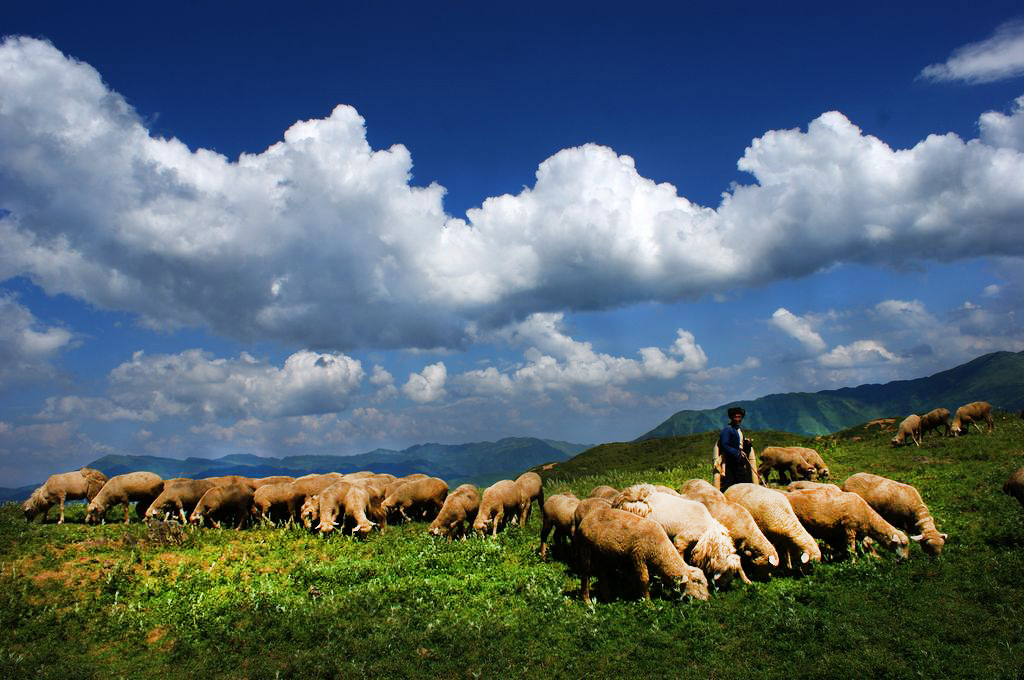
column 603, row 491
column 815, row 460
column 222, row 503
column 558, row 514
column 935, row 419
column 609, row 538
column 308, row 486
column 901, row 505
column 533, row 490
column 786, row 461
column 971, row 413
column 840, row 519
column 757, row 552
column 180, row 497
column 459, row 509
column 805, row 484
column 501, row 502
column 141, row 487
column 775, row 517
column 700, row 539
column 419, row 499
column 349, row 501
column 226, row 480
column 257, row 482
column 585, row 506
column 277, row 498
column 82, row 483
column 909, row 427
column 1014, row 485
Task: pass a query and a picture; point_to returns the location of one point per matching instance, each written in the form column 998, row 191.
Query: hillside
column 997, row 378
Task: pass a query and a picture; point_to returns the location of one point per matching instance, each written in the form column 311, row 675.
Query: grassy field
column 132, row 601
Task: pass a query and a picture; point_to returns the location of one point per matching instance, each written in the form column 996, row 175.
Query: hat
column 736, row 409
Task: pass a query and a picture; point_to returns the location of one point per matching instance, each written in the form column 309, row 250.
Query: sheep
column 935, row 419
column 775, row 517
column 901, row 505
column 558, row 514
column 277, row 496
column 585, row 506
column 603, row 491
column 258, row 482
column 420, row 498
column 972, row 413
column 308, row 486
column 221, row 503
column 226, row 480
column 179, row 496
column 142, row 487
column 815, row 460
column 533, row 490
column 700, row 539
column 840, row 519
column 1014, row 485
column 758, row 554
column 909, row 427
column 81, row 483
column 610, row 538
column 786, row 462
column 805, row 484
column 460, row 508
column 351, row 501
column 501, row 502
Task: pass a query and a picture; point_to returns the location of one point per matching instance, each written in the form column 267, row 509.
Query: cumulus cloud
column 322, row 241
column 27, row 347
column 428, row 384
column 998, row 57
column 799, row 329
column 857, row 354
column 1004, row 130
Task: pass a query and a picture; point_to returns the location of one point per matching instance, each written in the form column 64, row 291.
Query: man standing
column 734, row 448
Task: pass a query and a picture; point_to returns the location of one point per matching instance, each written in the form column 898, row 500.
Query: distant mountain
column 997, row 378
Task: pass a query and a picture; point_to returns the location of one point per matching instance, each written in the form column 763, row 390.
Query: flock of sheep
column 914, row 426
column 694, row 535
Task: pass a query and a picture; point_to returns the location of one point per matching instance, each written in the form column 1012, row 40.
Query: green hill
column 997, row 378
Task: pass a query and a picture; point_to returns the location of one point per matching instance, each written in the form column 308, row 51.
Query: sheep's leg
column 545, row 529
column 584, row 558
column 63, row 495
column 127, row 507
column 181, row 512
column 499, row 516
column 643, row 576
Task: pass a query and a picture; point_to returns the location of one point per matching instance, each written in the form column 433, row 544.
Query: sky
column 331, row 227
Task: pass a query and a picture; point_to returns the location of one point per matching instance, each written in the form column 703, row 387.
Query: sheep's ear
column 917, row 539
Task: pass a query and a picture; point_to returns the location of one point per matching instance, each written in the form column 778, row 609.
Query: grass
column 125, row 601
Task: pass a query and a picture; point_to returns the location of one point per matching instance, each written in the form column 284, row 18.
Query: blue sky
column 328, row 228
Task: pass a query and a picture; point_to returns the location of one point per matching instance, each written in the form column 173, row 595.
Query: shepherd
column 734, row 449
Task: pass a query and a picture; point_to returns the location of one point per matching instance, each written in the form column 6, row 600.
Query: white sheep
column 841, row 519
column 901, row 505
column 775, row 517
column 909, row 427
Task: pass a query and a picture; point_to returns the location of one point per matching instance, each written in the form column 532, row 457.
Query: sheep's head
column 901, row 544
column 931, row 544
column 310, row 511
column 196, row 518
column 30, row 508
column 696, row 584
column 93, row 513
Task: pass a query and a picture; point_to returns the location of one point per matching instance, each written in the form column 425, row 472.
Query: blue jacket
column 731, row 446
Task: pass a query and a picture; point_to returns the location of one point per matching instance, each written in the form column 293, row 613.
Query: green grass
column 127, row 601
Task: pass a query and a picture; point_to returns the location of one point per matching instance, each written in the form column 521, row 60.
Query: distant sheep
column 611, row 539
column 935, row 419
column 533, row 490
column 967, row 414
column 841, row 519
column 140, row 487
column 775, row 517
column 82, row 483
column 558, row 514
column 228, row 503
column 1015, row 485
column 501, row 502
column 785, row 461
column 459, row 510
column 901, row 505
column 909, row 427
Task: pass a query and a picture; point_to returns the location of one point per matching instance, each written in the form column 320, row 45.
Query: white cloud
column 998, row 57
column 427, row 385
column 1002, row 130
column 857, row 354
column 799, row 329
column 27, row 346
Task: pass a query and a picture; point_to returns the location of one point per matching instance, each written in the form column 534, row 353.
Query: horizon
column 252, row 231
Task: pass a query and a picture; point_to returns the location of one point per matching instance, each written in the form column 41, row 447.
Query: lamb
column 972, row 413
column 603, row 491
column 840, row 519
column 280, row 497
column 222, row 503
column 180, row 497
column 420, row 498
column 901, row 505
column 909, row 427
column 533, row 490
column 558, row 513
column 1015, row 485
column 501, row 502
column 141, row 487
column 700, row 539
column 350, row 501
column 460, row 508
column 610, row 538
column 759, row 556
column 935, row 419
column 786, row 462
column 81, row 483
column 775, row 517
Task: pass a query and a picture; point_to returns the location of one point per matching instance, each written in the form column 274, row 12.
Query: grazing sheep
column 179, row 497
column 281, row 498
column 141, row 487
column 972, row 413
column 786, row 461
column 805, row 484
column 901, row 505
column 501, row 502
column 533, row 490
column 701, row 539
column 815, row 460
column 909, row 427
column 1015, row 485
column 308, row 486
column 558, row 514
column 840, row 519
column 419, row 499
column 226, row 480
column 609, row 538
column 350, row 501
column 258, row 482
column 459, row 509
column 935, row 419
column 81, row 483
column 759, row 556
column 222, row 503
column 585, row 506
column 604, row 491
column 775, row 517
